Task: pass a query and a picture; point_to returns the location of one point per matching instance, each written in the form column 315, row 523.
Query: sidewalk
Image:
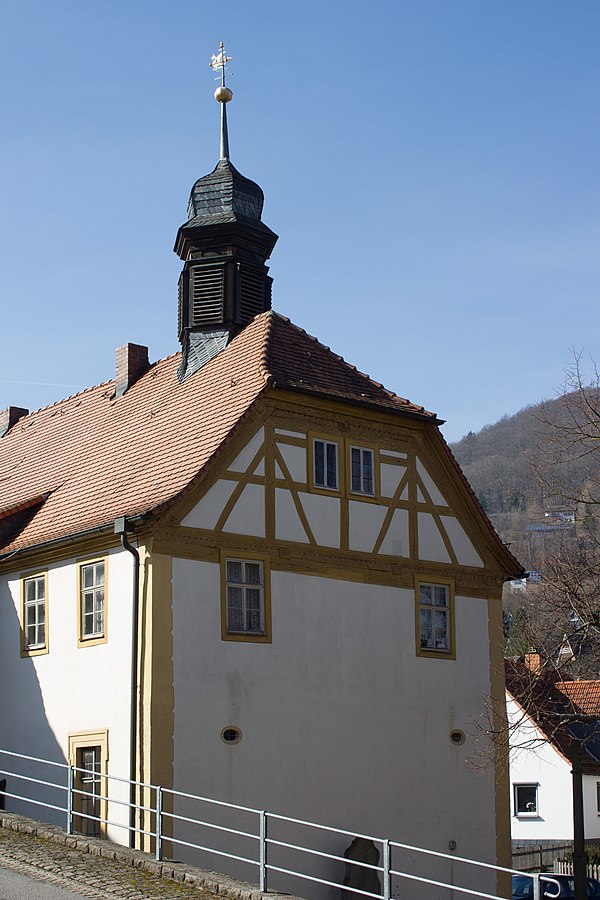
column 99, row 869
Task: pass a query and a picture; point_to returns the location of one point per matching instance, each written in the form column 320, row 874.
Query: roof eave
column 430, row 418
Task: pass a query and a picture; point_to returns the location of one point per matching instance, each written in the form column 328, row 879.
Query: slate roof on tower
column 79, row 464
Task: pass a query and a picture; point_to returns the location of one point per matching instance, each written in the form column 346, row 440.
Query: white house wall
column 536, row 761
column 341, row 721
column 70, row 689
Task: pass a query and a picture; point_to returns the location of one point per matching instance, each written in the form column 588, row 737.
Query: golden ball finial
column 223, row 94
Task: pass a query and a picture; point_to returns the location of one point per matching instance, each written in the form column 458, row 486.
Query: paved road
column 77, row 875
column 20, row 887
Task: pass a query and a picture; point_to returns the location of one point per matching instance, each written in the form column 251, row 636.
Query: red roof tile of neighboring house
column 566, row 712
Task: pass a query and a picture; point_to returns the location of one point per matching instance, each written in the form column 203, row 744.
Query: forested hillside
column 519, row 475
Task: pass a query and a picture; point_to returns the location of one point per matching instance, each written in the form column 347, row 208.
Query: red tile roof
column 91, row 458
column 566, row 712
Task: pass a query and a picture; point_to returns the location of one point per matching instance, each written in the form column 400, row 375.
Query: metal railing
column 160, row 811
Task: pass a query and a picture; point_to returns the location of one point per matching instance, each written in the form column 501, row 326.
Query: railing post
column 70, row 781
column 385, row 861
column 159, row 809
column 262, row 851
column 536, row 887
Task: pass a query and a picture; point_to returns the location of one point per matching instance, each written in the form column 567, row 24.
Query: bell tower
column 224, row 246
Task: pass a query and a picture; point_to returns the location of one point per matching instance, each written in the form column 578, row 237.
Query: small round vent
column 231, row 735
column 457, row 737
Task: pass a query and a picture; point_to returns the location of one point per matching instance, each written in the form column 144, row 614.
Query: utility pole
column 579, row 860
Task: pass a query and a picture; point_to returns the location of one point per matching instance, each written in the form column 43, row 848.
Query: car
column 552, row 885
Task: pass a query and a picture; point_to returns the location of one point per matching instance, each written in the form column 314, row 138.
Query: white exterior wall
column 69, row 689
column 342, row 722
column 535, row 761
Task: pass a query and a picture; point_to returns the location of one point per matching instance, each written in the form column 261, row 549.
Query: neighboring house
column 316, row 619
column 551, row 718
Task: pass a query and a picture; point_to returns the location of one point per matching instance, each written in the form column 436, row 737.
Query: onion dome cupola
column 224, row 246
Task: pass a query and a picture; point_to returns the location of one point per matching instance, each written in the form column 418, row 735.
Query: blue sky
column 431, row 167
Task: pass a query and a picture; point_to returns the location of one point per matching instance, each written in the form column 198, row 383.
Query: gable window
column 34, row 615
column 92, row 599
column 526, row 800
column 362, row 468
column 435, row 623
column 325, row 464
column 246, row 607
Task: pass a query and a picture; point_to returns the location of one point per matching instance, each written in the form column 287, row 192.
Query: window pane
column 441, row 630
column 440, row 595
column 99, row 573
column 88, row 624
column 355, row 467
column 41, row 588
column 426, row 593
column 319, row 462
column 234, row 571
column 332, row 480
column 30, row 590
column 253, row 573
column 526, row 798
column 426, row 628
column 367, row 459
column 99, row 622
column 87, row 576
column 88, row 603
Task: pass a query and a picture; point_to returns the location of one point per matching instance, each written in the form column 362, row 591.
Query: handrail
column 153, row 813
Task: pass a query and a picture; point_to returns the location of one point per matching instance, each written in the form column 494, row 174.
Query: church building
column 252, row 573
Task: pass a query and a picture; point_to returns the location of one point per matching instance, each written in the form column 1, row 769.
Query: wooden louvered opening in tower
column 180, row 305
column 206, row 292
column 252, row 293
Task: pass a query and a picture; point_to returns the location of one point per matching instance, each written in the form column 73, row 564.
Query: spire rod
column 223, row 94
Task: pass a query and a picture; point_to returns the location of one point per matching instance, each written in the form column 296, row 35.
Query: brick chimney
column 9, row 416
column 132, row 362
column 533, row 661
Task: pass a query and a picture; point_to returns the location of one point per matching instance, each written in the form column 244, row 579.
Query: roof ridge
column 348, row 365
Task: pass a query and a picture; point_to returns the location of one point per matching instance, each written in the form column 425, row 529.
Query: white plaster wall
column 535, row 761
column 590, row 806
column 206, row 513
column 342, row 723
column 431, row 545
column 466, row 553
column 45, row 698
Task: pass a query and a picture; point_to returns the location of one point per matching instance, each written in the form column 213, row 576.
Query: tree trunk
column 579, row 860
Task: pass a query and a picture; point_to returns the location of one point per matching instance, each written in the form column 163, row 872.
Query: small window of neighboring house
column 245, row 596
column 526, row 800
column 34, row 614
column 434, row 617
column 325, row 465
column 362, row 480
column 92, row 610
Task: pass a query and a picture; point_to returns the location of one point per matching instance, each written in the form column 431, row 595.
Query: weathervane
column 218, row 61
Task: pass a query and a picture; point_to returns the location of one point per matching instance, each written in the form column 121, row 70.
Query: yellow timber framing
column 346, row 425
column 499, row 725
column 93, row 640
column 266, row 637
column 40, row 650
column 155, row 720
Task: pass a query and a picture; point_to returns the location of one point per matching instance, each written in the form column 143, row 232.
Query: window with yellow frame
column 92, row 578
column 245, row 598
column 34, row 614
column 435, row 618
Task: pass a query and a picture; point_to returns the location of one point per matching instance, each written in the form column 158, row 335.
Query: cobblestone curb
column 203, row 879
